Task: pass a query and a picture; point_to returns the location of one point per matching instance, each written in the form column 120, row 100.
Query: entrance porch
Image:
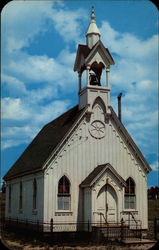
column 103, row 195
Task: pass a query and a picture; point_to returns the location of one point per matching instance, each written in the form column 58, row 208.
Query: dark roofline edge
column 23, row 174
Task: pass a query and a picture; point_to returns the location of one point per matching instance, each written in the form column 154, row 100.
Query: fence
column 106, row 231
column 153, row 232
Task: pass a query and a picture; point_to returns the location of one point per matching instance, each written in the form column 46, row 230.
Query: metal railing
column 131, row 220
column 101, row 215
column 107, row 230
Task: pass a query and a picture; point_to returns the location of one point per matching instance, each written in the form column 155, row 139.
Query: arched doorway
column 107, row 204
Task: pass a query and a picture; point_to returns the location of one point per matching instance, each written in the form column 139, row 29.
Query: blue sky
column 39, row 42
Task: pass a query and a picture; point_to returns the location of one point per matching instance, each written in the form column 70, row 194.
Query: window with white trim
column 63, row 196
column 130, row 196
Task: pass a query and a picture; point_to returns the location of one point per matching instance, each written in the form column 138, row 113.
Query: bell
column 94, row 79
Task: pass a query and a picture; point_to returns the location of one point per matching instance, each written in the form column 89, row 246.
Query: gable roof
column 83, row 50
column 86, row 52
column 104, row 50
column 97, row 172
column 88, row 180
column 35, row 155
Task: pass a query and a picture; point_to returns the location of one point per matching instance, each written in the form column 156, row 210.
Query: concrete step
column 138, row 241
column 114, row 232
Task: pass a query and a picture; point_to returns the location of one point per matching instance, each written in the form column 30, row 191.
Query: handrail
column 136, row 226
column 138, row 222
column 100, row 213
column 134, row 218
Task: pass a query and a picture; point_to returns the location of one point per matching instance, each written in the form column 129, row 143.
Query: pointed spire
column 92, row 15
column 93, row 33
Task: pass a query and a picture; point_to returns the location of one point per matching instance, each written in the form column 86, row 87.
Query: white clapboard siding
column 80, row 155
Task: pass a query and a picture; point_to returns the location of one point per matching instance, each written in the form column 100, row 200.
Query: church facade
column 83, row 166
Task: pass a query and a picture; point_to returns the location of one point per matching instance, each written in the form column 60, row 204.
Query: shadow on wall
column 80, row 212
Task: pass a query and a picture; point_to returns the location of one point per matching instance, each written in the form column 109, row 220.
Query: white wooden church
column 83, row 166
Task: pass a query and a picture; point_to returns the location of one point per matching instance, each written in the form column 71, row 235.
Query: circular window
column 97, row 129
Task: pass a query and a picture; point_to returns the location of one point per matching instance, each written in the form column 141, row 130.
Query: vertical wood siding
column 81, row 154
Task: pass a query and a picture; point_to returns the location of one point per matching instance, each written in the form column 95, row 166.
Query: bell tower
column 91, row 61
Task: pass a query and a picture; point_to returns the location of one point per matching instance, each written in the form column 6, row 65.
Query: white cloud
column 128, row 45
column 19, row 110
column 21, row 132
column 41, row 69
column 12, row 143
column 136, row 59
column 20, row 25
column 14, row 85
column 23, row 20
column 51, row 111
column 13, row 108
column 135, row 73
column 68, row 23
column 66, row 57
column 20, row 22
column 47, row 93
column 155, row 166
column 16, row 132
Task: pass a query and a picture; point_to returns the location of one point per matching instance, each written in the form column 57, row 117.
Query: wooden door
column 107, row 204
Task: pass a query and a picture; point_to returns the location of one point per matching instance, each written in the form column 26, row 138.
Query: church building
column 84, row 165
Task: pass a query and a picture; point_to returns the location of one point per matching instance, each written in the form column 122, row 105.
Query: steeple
column 92, row 34
column 91, row 60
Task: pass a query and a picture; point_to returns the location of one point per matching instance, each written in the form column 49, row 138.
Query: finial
column 92, row 14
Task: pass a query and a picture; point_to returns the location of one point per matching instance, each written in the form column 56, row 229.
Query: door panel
column 111, row 201
column 107, row 204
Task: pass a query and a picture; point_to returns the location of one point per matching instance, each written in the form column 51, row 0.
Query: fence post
column 136, row 230
column 26, row 223
column 38, row 225
column 155, row 228
column 108, row 228
column 3, row 223
column 88, row 225
column 16, row 223
column 51, row 225
column 122, row 229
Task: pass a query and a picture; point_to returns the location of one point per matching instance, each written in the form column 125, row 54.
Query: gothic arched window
column 20, row 196
column 130, row 197
column 64, row 197
column 34, row 194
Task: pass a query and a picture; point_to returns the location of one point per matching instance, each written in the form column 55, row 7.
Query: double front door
column 106, row 205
